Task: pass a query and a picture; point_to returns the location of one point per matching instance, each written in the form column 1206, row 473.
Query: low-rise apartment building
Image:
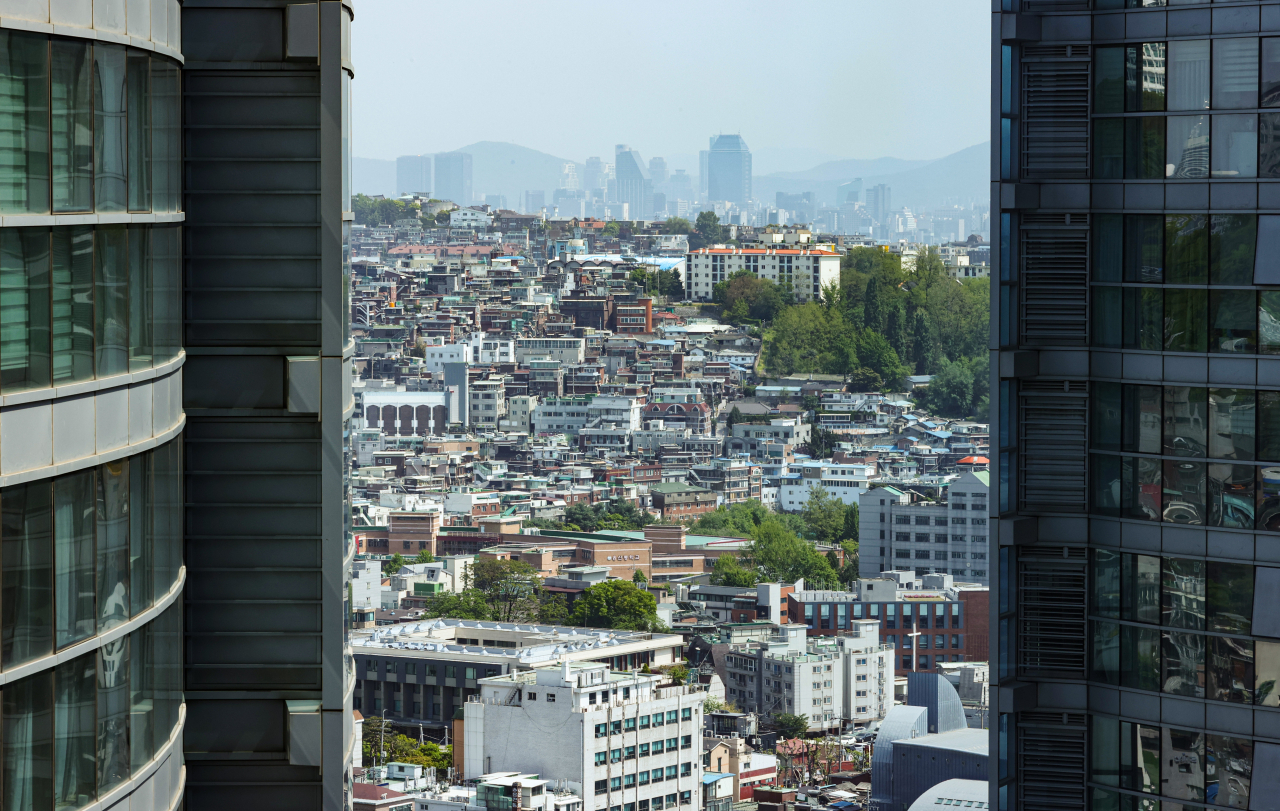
column 806, row 270
column 678, row 501
column 566, row 350
column 939, row 537
column 423, row 672
column 615, row 739
column 845, row 482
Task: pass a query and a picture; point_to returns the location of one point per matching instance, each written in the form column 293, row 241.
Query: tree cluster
column 381, row 744
column 398, row 561
column 665, row 283
column 883, row 322
column 782, row 546
column 369, row 211
column 707, row 231
column 742, row 296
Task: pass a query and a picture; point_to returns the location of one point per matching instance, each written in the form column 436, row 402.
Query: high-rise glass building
column 634, row 185
column 729, row 170
column 453, row 177
column 173, row 207
column 1136, row 404
column 413, row 174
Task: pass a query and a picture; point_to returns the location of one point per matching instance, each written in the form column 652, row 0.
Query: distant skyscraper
column 413, row 174
column 704, row 161
column 536, row 200
column 593, row 175
column 729, row 170
column 634, row 187
column 569, row 176
column 453, row 177
column 850, row 192
column 878, row 202
column 495, row 200
column 658, row 170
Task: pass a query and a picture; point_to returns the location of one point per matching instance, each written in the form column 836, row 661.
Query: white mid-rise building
column 846, row 482
column 806, row 270
column 940, row 537
column 614, row 739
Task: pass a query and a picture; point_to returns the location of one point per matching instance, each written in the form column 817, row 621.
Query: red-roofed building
column 370, row 797
column 973, row 464
column 807, row 270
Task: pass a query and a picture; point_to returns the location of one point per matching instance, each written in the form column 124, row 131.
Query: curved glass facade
column 1136, row 287
column 87, row 127
column 80, row 302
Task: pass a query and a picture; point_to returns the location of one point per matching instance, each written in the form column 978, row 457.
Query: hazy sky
column 802, row 82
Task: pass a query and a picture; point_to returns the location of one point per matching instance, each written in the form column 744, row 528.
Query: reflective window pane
column 1231, row 495
column 1144, row 147
column 1233, row 326
column 1229, row 670
column 26, row 615
column 74, row 748
column 1231, row 423
column 138, row 72
column 1186, row 248
column 166, row 304
column 1144, row 248
column 1227, row 783
column 72, row 136
column 1183, row 668
column 141, row 298
column 1140, row 657
column 1182, row 775
column 27, row 780
column 1266, row 268
column 1185, row 420
column 1108, row 247
column 111, row 300
column 1106, row 652
column 142, row 734
column 113, row 713
column 1270, row 72
column 1234, row 146
column 1266, row 673
column 1189, row 75
column 25, row 357
column 113, row 544
column 1269, row 498
column 1187, row 150
column 1269, row 145
column 1141, row 421
column 1108, row 148
column 1106, row 421
column 1143, row 325
column 1230, row 597
column 1108, row 80
column 1107, row 328
column 1105, row 484
column 1145, row 77
column 1269, row 425
column 1184, row 492
column 1183, row 593
column 73, row 530
column 1106, row 583
column 24, row 121
column 1231, row 240
column 72, row 304
column 1235, row 73
column 166, row 131
column 1140, row 488
column 1186, row 320
column 140, row 533
column 110, row 143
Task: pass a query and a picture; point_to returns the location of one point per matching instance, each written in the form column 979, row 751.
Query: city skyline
column 831, row 83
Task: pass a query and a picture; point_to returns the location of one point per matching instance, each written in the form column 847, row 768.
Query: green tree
column 735, row 417
column 639, row 579
column 554, row 610
column 728, row 572
column 442, row 218
column 791, row 725
column 510, row 587
column 393, row 564
column 469, row 604
column 707, row 231
column 676, row 225
column 616, row 604
column 851, row 523
column 424, row 557
column 780, row 555
column 679, row 674
column 824, row 513
column 611, row 230
column 950, row 392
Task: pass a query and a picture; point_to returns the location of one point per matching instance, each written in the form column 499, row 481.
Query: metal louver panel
column 1053, row 431
column 1055, row 280
column 1052, row 622
column 1055, row 5
column 1055, row 112
column 1052, row 748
